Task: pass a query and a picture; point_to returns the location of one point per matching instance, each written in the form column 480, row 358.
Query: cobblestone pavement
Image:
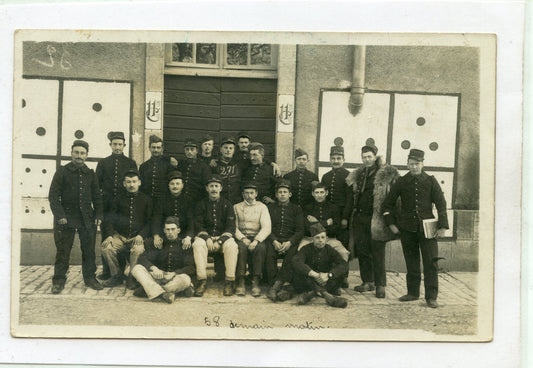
column 79, row 305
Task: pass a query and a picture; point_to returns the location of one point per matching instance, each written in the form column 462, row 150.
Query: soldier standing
column 301, row 179
column 231, row 170
column 418, row 192
column 260, row 173
column 110, row 172
column 76, row 203
column 195, row 173
column 153, row 173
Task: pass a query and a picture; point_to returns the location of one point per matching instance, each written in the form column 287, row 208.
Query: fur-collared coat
column 386, row 175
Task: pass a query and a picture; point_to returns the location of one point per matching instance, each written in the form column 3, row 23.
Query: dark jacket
column 301, row 186
column 263, row 176
column 323, row 211
column 171, row 258
column 110, row 173
column 231, row 173
column 74, row 194
column 384, row 178
column 325, row 259
column 214, row 218
column 195, row 174
column 338, row 191
column 418, row 194
column 287, row 223
column 170, row 205
column 153, row 175
column 130, row 215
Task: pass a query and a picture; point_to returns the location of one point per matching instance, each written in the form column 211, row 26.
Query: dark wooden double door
column 195, row 106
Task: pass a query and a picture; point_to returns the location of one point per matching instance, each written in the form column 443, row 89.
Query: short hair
column 319, row 185
column 172, row 220
column 154, row 139
column 131, row 174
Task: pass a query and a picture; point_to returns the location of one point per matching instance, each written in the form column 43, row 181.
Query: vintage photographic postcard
column 312, row 95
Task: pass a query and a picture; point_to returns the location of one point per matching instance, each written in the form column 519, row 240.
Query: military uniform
column 339, row 193
column 418, row 193
column 195, row 174
column 171, row 205
column 301, row 186
column 263, row 176
column 287, row 225
column 231, row 173
column 153, row 175
column 74, row 195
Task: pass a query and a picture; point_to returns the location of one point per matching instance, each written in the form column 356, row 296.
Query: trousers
column 119, row 244
column 414, row 243
column 171, row 282
column 255, row 259
column 229, row 249
column 271, row 263
column 64, row 239
column 303, row 283
column 371, row 253
column 334, row 243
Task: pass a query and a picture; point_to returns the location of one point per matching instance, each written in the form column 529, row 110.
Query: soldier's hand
column 440, row 233
column 62, row 221
column 311, row 218
column 107, row 242
column 323, row 276
column 394, row 229
column 253, row 245
column 285, row 246
column 173, row 161
column 213, row 163
column 186, row 243
column 329, row 221
column 97, row 222
column 138, row 241
column 277, row 246
column 156, row 273
column 344, row 223
column 246, row 241
column 268, row 200
column 276, row 169
column 158, row 241
column 210, row 244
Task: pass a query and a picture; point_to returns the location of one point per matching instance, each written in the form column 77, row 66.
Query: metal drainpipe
column 357, row 90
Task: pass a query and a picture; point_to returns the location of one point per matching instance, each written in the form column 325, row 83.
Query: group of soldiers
column 160, row 223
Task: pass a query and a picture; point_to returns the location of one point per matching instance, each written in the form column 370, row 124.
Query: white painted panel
column 81, row 102
column 428, row 123
column 36, row 214
column 445, row 180
column 90, row 164
column 35, row 130
column 336, row 121
column 33, row 176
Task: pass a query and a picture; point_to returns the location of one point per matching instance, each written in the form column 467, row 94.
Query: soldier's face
column 207, row 148
column 117, row 146
column 175, row 186
column 214, row 189
column 227, row 150
column 336, row 161
column 283, row 195
column 171, row 231
column 243, row 144
column 368, row 159
column 320, row 194
column 79, row 155
column 319, row 240
column 156, row 149
column 132, row 184
column 191, row 152
column 256, row 157
column 414, row 166
column 249, row 195
column 301, row 162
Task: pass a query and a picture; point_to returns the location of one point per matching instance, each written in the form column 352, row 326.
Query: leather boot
column 335, row 301
column 256, row 290
column 240, row 289
column 200, row 290
column 273, row 291
column 305, row 298
column 380, row 292
column 229, row 288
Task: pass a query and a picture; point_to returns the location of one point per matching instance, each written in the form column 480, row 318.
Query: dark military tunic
column 130, row 215
column 153, row 175
column 263, row 176
column 110, row 173
column 195, row 174
column 171, row 258
column 170, row 205
column 301, row 186
column 287, row 223
column 231, row 173
column 214, row 218
column 323, row 211
column 362, row 200
column 339, row 192
column 417, row 194
column 74, row 194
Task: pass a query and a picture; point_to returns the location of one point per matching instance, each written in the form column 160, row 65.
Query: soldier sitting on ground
column 320, row 269
column 164, row 272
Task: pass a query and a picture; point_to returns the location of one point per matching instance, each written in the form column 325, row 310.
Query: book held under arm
column 430, row 228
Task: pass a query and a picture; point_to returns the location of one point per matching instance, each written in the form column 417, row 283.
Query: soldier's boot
column 335, row 301
column 272, row 293
column 285, row 293
column 365, row 286
column 240, row 289
column 229, row 288
column 256, row 290
column 200, row 289
column 305, row 298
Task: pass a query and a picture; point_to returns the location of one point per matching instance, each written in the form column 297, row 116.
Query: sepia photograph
column 253, row 186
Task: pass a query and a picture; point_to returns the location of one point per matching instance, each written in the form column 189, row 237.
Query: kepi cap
column 215, row 178
column 80, row 143
column 250, row 185
column 283, row 183
column 116, row 135
column 174, row 174
column 173, row 220
column 228, row 140
column 130, row 172
column 337, row 149
column 416, row 154
column 154, row 139
column 316, row 229
column 244, row 135
column 300, row 152
column 189, row 142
